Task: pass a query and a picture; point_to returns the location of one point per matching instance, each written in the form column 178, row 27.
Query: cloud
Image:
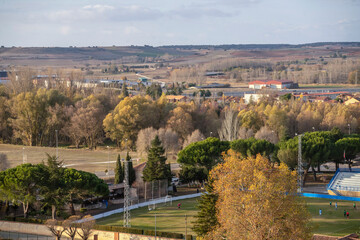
column 192, row 12
column 65, row 30
column 129, row 30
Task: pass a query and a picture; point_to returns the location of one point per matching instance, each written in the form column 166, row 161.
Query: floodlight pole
column 23, row 155
column 300, row 183
column 127, row 217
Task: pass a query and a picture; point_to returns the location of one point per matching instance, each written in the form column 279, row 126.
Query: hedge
column 25, row 220
column 119, row 229
column 163, row 234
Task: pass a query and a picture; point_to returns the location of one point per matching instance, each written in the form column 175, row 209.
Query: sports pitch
column 171, row 219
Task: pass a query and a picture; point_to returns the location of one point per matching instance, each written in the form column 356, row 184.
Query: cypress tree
column 206, row 217
column 132, row 176
column 119, row 171
column 124, row 91
column 156, row 167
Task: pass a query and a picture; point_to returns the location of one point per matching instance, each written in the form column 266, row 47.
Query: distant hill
column 70, row 56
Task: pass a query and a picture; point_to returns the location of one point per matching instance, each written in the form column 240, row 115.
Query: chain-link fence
column 154, row 189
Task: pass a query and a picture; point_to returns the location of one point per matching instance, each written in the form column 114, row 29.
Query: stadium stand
column 346, row 182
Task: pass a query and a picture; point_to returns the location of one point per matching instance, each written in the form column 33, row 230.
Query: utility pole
column 300, row 183
column 349, row 128
column 155, row 226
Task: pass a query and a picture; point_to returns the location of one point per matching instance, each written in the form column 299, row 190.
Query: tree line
column 89, row 119
column 318, row 148
column 54, row 185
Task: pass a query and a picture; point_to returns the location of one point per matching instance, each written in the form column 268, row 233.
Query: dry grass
column 81, row 159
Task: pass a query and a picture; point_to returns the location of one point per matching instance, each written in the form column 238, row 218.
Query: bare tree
column 230, row 125
column 195, row 136
column 145, row 136
column 267, row 134
column 169, row 139
column 245, row 133
column 70, row 226
column 86, row 226
column 4, row 163
column 53, row 226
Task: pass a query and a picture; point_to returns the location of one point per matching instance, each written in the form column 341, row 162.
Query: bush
column 188, row 237
column 83, row 210
column 25, row 220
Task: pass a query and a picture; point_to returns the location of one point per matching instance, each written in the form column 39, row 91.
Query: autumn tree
column 130, row 116
column 156, row 167
column 181, row 122
column 257, row 201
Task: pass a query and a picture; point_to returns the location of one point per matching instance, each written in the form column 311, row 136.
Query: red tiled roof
column 257, row 82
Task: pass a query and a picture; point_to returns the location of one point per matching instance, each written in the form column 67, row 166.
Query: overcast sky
column 169, row 22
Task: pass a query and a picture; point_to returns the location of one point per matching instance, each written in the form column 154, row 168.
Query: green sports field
column 171, row 219
column 332, row 222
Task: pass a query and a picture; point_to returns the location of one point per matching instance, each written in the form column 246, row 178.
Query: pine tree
column 156, row 167
column 119, row 171
column 206, row 218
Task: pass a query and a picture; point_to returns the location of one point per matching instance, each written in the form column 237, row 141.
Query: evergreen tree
column 124, row 91
column 156, row 167
column 119, row 171
column 206, row 217
column 132, row 176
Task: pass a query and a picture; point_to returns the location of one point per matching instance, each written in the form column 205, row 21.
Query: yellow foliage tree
column 257, row 201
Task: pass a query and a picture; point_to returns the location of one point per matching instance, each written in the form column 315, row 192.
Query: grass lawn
column 168, row 218
column 332, row 222
column 171, row 219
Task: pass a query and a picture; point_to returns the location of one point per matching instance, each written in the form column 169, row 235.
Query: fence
column 314, row 195
column 24, row 236
column 146, row 204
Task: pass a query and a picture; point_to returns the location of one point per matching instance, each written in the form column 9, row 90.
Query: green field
column 171, row 219
column 168, row 218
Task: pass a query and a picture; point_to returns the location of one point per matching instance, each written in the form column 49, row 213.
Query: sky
column 82, row 23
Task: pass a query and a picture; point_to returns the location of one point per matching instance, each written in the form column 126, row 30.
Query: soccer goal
column 168, row 200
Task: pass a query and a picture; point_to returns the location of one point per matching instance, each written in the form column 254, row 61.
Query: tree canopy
column 257, row 201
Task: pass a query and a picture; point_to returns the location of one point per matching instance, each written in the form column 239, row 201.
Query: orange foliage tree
column 257, row 201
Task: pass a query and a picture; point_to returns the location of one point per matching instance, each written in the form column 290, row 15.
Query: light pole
column 185, row 226
column 349, row 128
column 210, row 134
column 57, row 151
column 155, row 226
column 300, row 189
column 107, row 173
column 23, row 155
